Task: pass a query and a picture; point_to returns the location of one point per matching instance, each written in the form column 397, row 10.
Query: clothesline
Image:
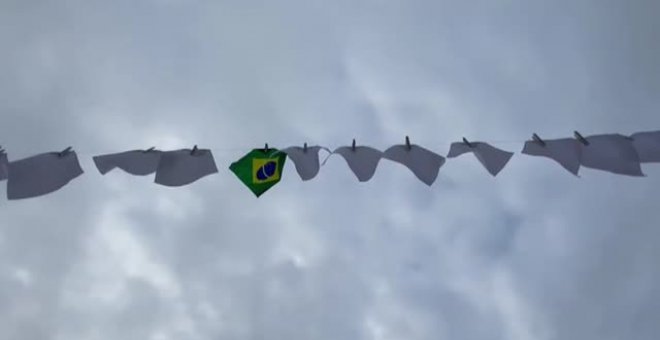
column 91, row 153
column 261, row 168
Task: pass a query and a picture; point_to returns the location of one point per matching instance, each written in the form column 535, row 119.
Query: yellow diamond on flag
column 265, row 170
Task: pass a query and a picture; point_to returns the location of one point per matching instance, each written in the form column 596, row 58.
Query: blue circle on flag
column 266, row 171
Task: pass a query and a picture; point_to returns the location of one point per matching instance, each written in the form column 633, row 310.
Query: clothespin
column 538, row 139
column 353, row 146
column 579, row 137
column 467, row 142
column 65, row 152
column 149, row 149
column 305, row 147
column 408, row 143
column 194, row 150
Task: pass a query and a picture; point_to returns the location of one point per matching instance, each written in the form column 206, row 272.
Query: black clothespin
column 579, row 137
column 353, row 146
column 305, row 147
column 538, row 139
column 467, row 142
column 64, row 152
column 149, row 149
column 194, row 150
column 408, row 143
column 266, row 149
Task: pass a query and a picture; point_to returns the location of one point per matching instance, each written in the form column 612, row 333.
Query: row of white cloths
column 47, row 172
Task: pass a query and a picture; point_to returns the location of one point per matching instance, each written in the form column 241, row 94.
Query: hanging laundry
column 182, row 167
column 423, row 163
column 647, row 145
column 611, row 152
column 260, row 169
column 492, row 158
column 306, row 160
column 362, row 160
column 42, row 174
column 136, row 162
column 566, row 151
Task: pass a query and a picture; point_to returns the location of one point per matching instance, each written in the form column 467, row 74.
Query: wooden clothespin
column 538, row 139
column 65, row 151
column 579, row 137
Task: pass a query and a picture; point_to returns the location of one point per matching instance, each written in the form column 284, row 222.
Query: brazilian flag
column 260, row 169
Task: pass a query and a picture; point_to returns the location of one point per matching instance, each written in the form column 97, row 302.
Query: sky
column 533, row 254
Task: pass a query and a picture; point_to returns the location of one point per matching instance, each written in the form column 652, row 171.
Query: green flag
column 259, row 170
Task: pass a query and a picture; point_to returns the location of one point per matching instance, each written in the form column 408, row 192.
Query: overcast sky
column 533, row 254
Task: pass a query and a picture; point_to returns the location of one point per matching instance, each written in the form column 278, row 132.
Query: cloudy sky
column 533, row 254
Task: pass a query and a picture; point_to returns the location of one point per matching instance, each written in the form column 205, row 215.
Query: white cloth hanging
column 362, row 160
column 613, row 153
column 182, row 167
column 41, row 174
column 647, row 145
column 306, row 160
column 136, row 162
column 566, row 151
column 422, row 162
column 492, row 158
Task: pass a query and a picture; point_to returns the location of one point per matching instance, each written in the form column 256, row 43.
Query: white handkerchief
column 41, row 174
column 492, row 158
column 565, row 151
column 136, row 162
column 179, row 167
column 422, row 162
column 647, row 145
column 306, row 161
column 4, row 166
column 362, row 161
column 612, row 152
